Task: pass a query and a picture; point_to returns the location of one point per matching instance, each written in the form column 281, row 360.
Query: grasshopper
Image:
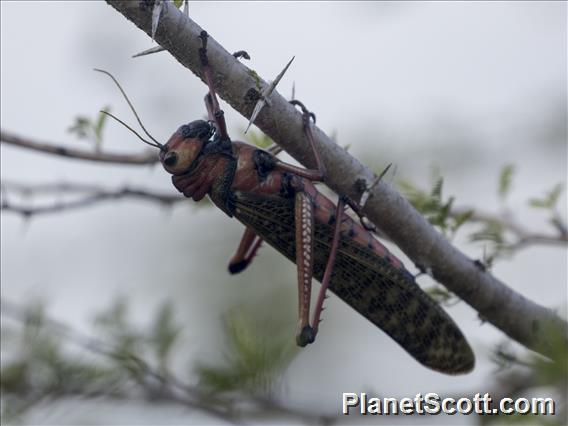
column 278, row 203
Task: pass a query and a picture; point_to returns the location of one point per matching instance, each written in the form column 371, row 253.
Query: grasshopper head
column 184, row 146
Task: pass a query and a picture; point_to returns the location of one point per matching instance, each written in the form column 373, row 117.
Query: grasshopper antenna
column 156, row 143
column 131, row 129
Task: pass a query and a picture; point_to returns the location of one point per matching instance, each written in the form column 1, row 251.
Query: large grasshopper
column 278, row 203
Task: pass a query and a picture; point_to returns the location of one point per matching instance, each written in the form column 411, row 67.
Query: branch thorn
column 266, row 93
column 156, row 12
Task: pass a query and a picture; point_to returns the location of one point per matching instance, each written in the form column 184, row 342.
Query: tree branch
column 520, row 318
column 149, row 157
column 95, row 195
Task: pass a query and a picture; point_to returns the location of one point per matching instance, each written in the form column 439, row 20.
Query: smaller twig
column 524, row 236
column 560, row 225
column 62, row 151
column 95, row 195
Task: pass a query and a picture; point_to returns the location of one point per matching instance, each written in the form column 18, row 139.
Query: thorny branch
column 149, row 157
column 230, row 409
column 520, row 318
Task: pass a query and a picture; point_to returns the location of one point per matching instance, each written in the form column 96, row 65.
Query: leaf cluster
column 42, row 365
column 132, row 361
column 497, row 233
column 434, row 207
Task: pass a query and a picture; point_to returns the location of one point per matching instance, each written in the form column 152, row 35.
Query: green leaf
column 90, row 129
column 114, row 317
column 443, row 214
column 436, row 191
column 441, row 294
column 550, row 199
column 259, row 139
column 98, row 128
column 164, row 332
column 115, row 325
column 81, row 127
column 505, row 179
column 418, row 198
column 461, row 218
column 178, row 3
column 491, row 232
column 256, row 77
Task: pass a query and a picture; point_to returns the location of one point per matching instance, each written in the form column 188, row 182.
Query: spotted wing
column 387, row 296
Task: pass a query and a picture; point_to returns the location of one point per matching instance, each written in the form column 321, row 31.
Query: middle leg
column 318, row 174
column 249, row 245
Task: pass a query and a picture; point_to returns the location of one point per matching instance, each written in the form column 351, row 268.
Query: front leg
column 249, row 245
column 211, row 102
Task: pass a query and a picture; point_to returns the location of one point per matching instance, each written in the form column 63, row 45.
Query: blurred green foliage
column 42, row 363
column 258, row 138
column 432, row 205
column 525, row 374
column 90, row 129
column 255, row 358
column 505, row 180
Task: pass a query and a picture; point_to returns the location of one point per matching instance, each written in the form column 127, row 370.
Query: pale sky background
column 467, row 87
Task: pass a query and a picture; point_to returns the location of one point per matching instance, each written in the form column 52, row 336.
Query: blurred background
column 461, row 88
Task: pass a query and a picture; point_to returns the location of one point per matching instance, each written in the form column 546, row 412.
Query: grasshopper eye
column 170, row 159
column 200, row 129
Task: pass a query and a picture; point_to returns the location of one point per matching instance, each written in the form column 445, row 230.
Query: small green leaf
column 461, row 218
column 114, row 317
column 491, row 231
column 417, row 197
column 550, row 198
column 441, row 294
column 178, row 3
column 436, row 191
column 443, row 214
column 259, row 139
column 538, row 203
column 505, row 179
column 164, row 332
column 100, row 124
column 256, row 77
column 81, row 127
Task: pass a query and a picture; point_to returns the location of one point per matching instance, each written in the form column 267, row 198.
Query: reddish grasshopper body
column 278, row 203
